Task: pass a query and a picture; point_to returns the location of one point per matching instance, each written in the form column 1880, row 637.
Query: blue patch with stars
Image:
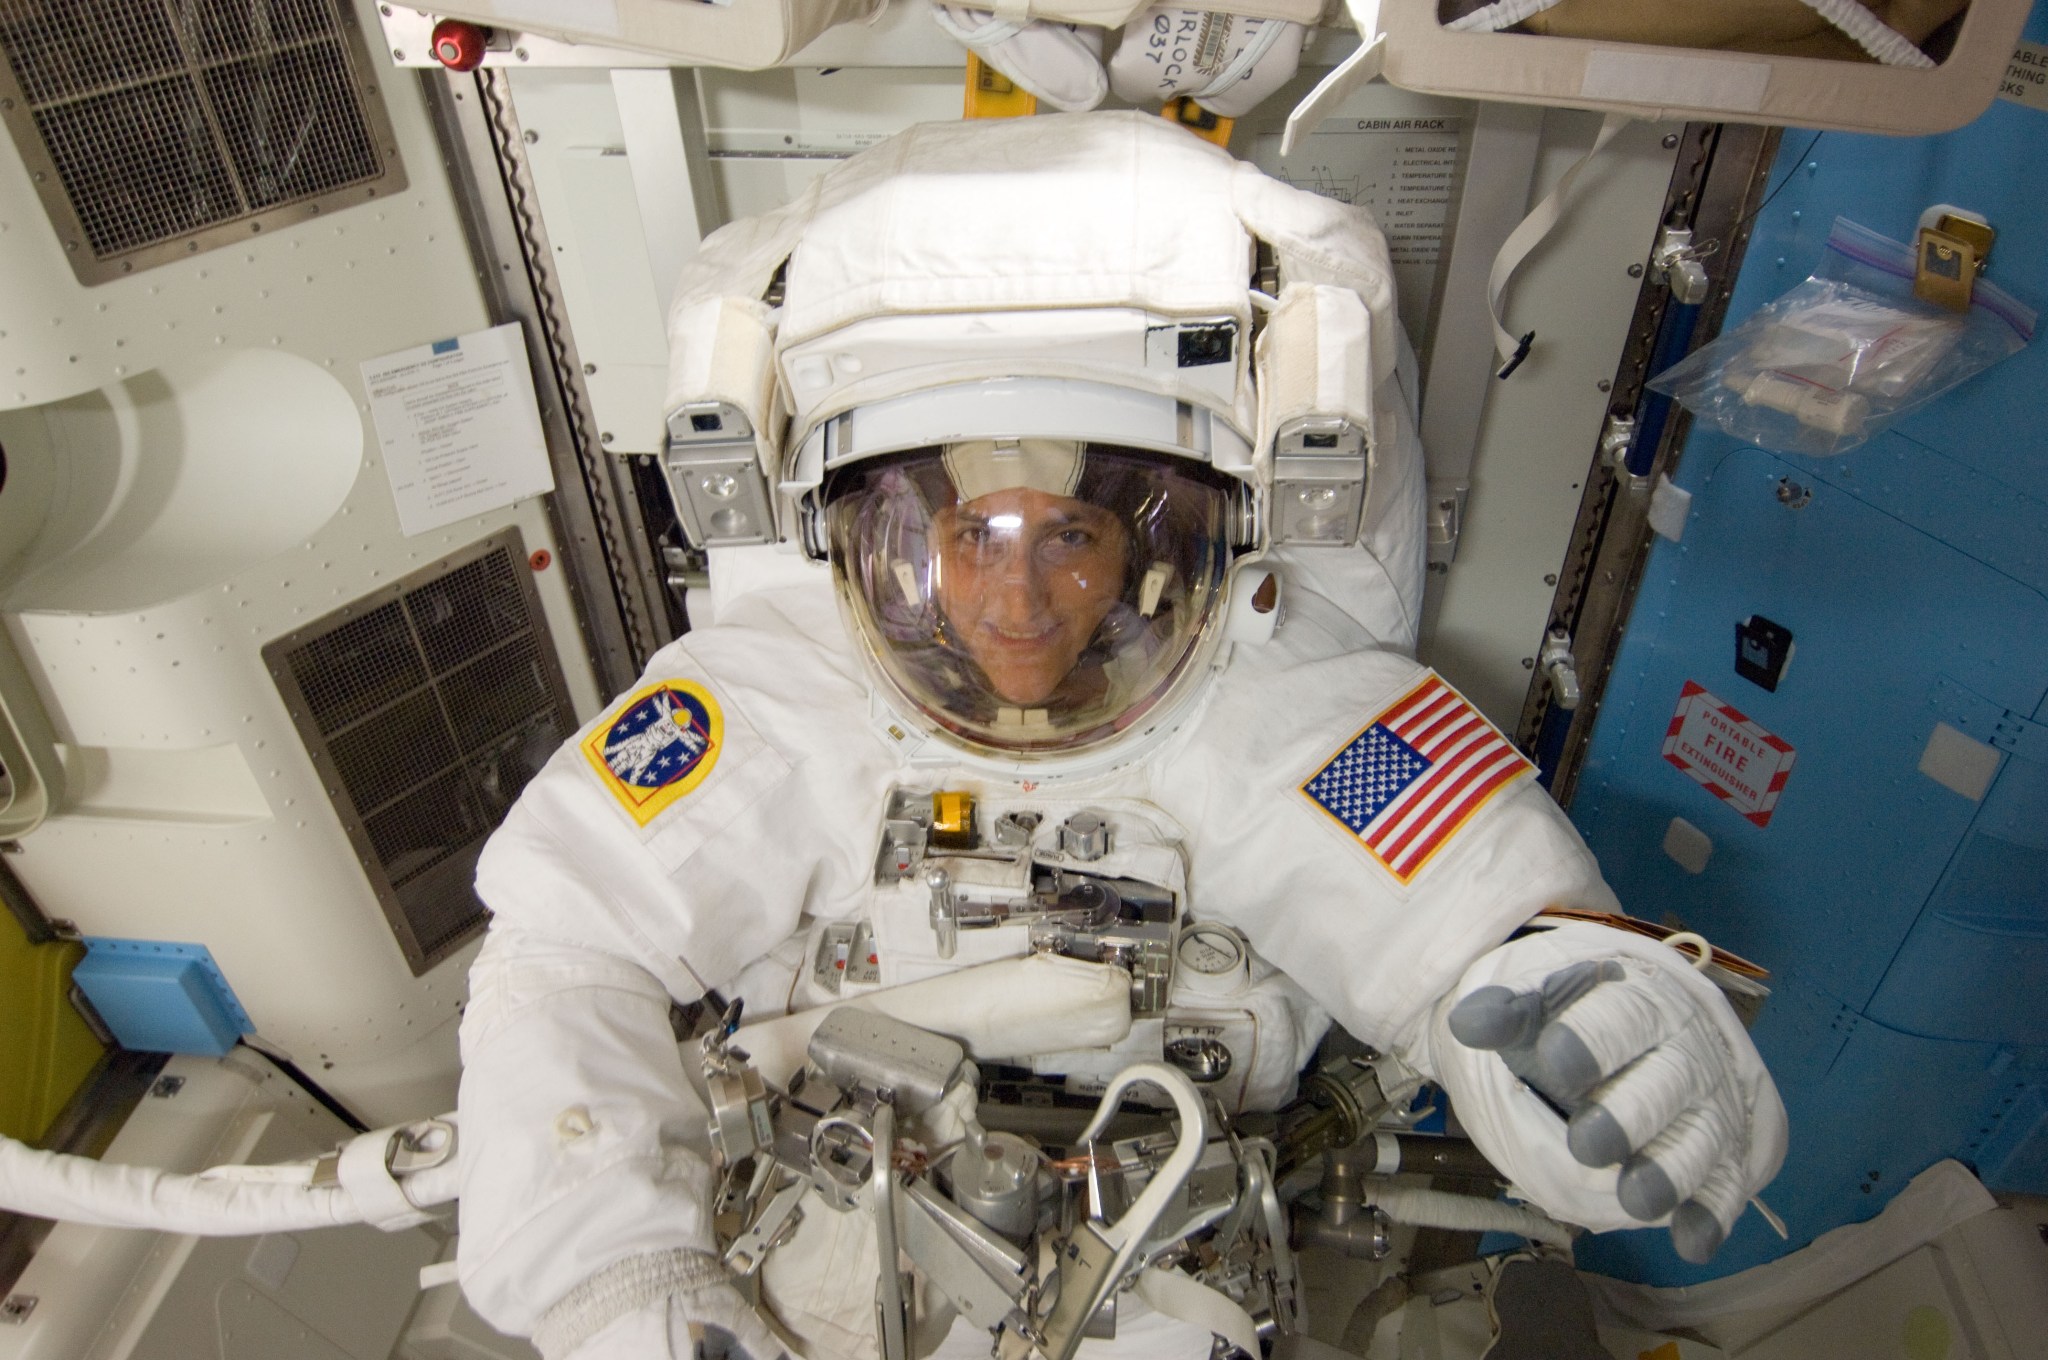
column 1364, row 777
column 660, row 744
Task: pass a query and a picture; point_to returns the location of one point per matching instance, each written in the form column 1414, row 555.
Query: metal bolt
column 1528, row 663
column 519, row 52
column 1670, row 141
column 588, row 369
column 1551, row 579
column 15, row 1310
column 397, row 54
column 166, row 1087
column 531, row 136
column 1635, row 271
column 1605, row 385
column 605, row 438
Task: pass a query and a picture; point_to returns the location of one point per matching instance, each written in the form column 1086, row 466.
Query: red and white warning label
column 1732, row 758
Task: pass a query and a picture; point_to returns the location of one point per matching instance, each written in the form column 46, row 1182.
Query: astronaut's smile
column 1025, row 577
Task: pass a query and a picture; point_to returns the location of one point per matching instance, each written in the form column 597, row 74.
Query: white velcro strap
column 723, row 349
column 1314, row 358
column 1186, row 1299
column 621, row 1288
column 1528, row 235
column 369, row 1182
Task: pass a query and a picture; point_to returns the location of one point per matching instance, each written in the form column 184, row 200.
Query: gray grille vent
column 157, row 128
column 426, row 707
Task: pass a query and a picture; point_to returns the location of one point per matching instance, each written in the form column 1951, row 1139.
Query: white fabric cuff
column 621, row 1288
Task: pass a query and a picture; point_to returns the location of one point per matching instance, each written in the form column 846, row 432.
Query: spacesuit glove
column 1059, row 63
column 674, row 1305
column 1226, row 63
column 1577, row 1049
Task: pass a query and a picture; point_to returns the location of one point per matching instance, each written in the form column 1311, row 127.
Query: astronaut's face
column 1024, row 578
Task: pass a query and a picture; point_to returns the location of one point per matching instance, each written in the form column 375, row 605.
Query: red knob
column 459, row 44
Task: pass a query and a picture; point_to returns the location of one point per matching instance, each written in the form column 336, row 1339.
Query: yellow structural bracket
column 1210, row 127
column 46, row 1049
column 1949, row 253
column 991, row 94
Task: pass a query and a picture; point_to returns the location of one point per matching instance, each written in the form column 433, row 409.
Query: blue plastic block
column 158, row 997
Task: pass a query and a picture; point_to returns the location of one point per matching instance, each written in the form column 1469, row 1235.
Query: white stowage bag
column 1060, row 64
column 1227, row 63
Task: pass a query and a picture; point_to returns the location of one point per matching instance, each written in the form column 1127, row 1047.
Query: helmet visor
column 1031, row 595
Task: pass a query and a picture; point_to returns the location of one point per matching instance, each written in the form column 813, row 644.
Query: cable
column 282, row 1061
column 1800, row 160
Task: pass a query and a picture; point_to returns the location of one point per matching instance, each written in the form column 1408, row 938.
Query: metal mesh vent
column 427, row 706
column 156, row 128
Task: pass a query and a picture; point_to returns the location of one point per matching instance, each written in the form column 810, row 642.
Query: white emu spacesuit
column 1035, row 518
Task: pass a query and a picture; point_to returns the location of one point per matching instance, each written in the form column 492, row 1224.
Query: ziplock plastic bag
column 1845, row 354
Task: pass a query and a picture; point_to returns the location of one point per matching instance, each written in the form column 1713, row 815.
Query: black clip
column 1521, row 353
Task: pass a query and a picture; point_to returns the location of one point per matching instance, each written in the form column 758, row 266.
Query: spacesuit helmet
column 1033, row 596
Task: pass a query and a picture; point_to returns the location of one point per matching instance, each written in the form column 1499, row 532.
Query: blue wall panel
column 1907, row 925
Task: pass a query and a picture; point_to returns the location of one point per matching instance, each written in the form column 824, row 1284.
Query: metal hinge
column 1676, row 262
column 1446, row 522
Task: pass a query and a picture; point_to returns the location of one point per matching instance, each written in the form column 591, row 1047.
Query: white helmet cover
column 1078, row 251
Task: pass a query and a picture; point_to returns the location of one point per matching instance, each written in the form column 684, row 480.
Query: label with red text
column 1731, row 757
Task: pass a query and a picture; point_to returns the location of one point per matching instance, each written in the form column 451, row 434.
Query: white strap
column 1527, row 236
column 1870, row 33
column 370, row 1184
column 1186, row 1299
column 1500, row 15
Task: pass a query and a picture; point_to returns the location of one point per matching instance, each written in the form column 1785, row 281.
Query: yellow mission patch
column 658, row 745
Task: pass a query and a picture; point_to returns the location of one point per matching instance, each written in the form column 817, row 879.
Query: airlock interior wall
column 207, row 422
column 1896, row 888
column 767, row 134
column 155, row 131
column 428, row 705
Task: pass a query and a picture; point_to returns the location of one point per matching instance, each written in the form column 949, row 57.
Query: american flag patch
column 1406, row 783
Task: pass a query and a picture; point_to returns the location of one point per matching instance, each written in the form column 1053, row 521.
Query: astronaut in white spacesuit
column 1049, row 531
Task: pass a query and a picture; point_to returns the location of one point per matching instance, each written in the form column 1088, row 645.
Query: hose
column 227, row 1201
column 1464, row 1213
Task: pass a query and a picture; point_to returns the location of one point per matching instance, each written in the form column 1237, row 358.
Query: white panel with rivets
column 191, row 472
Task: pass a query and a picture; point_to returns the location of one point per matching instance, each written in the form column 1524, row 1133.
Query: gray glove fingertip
column 1695, row 1233
column 1496, row 1017
column 1645, row 1191
column 1596, row 1137
column 1565, row 1066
